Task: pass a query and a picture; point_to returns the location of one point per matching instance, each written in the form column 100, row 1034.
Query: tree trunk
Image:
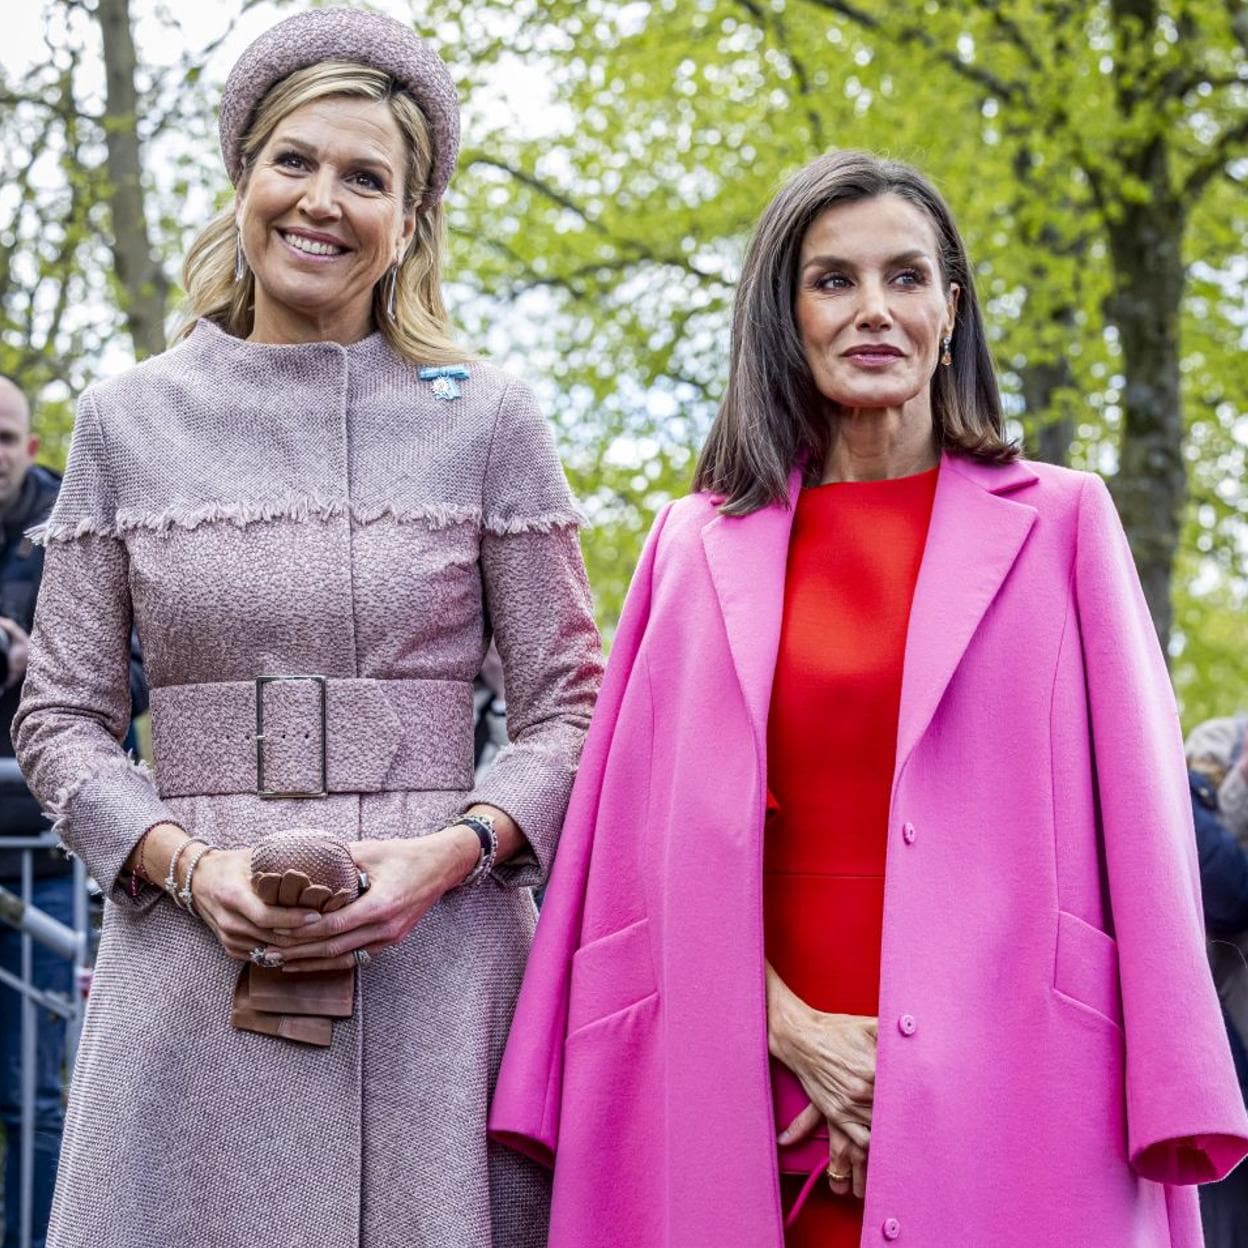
column 1150, row 489
column 1053, row 441
column 1041, row 383
column 144, row 287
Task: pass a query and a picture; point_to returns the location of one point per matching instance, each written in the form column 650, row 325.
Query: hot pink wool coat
column 1052, row 1068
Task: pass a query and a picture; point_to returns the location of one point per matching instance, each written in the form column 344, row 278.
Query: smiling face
column 871, row 306
column 321, row 218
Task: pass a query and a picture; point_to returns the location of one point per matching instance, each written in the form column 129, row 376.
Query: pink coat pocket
column 1086, row 968
column 611, row 974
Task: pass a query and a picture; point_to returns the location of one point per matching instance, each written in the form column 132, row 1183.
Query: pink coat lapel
column 975, row 536
column 747, row 557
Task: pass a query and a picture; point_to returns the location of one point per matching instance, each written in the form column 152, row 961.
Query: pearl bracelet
column 187, row 900
column 171, row 880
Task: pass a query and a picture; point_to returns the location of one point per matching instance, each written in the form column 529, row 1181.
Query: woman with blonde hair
column 319, row 510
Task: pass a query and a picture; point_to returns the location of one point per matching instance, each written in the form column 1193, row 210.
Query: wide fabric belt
column 309, row 736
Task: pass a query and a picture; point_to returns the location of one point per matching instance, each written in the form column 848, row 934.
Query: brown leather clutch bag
column 309, row 868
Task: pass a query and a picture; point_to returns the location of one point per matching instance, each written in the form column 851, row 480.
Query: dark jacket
column 1224, row 887
column 21, row 567
column 1223, row 861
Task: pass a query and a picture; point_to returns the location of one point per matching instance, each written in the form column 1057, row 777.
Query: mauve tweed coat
column 292, row 509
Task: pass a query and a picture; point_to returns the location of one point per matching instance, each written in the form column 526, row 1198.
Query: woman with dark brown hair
column 876, row 914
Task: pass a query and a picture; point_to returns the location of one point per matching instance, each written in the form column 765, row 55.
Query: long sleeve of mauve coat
column 76, row 701
column 527, row 574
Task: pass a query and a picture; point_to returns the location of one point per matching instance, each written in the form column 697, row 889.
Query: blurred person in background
column 316, row 479
column 489, row 710
column 1216, row 757
column 27, row 493
column 874, row 634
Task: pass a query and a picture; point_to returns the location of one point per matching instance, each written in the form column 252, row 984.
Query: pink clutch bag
column 808, row 1157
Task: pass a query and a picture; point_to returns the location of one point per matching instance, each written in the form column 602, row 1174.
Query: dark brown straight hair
column 771, row 416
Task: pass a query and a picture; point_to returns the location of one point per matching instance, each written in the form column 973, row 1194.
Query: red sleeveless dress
column 854, row 558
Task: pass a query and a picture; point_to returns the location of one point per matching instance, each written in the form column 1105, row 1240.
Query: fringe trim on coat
column 301, row 507
column 57, row 810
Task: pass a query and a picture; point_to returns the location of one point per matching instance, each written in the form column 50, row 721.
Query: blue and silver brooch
column 445, row 378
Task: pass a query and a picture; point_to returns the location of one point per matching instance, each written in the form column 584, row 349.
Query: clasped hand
column 406, row 878
column 833, row 1057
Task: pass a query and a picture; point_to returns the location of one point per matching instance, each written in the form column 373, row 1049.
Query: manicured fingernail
column 310, row 918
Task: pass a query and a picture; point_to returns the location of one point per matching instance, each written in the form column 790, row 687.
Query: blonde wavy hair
column 421, row 328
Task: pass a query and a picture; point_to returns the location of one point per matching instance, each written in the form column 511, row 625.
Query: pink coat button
column 891, row 1228
column 908, row 833
column 906, row 1025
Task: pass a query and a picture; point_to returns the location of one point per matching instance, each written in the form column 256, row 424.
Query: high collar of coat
column 209, row 340
column 976, row 533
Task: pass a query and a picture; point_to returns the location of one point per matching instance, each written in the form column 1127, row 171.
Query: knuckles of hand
column 859, row 1091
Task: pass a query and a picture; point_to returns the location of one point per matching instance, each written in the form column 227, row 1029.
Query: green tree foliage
column 1094, row 153
column 76, row 294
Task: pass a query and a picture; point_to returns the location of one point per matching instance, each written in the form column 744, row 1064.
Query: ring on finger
column 362, row 957
column 261, row 957
column 838, row 1178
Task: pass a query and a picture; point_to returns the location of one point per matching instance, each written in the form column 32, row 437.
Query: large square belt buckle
column 261, row 791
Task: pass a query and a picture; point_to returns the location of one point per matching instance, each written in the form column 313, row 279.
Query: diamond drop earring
column 240, row 260
column 946, row 359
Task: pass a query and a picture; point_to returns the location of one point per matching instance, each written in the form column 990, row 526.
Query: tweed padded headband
column 344, row 35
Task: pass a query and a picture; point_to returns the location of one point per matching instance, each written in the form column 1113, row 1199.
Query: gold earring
column 946, row 359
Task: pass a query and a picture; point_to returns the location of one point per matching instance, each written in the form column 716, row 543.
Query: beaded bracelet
column 187, row 899
column 138, row 874
column 171, row 880
column 141, row 875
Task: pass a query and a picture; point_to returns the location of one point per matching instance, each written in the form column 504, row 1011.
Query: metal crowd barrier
column 22, row 827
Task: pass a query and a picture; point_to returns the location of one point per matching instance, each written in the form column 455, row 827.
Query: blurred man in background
column 27, row 492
